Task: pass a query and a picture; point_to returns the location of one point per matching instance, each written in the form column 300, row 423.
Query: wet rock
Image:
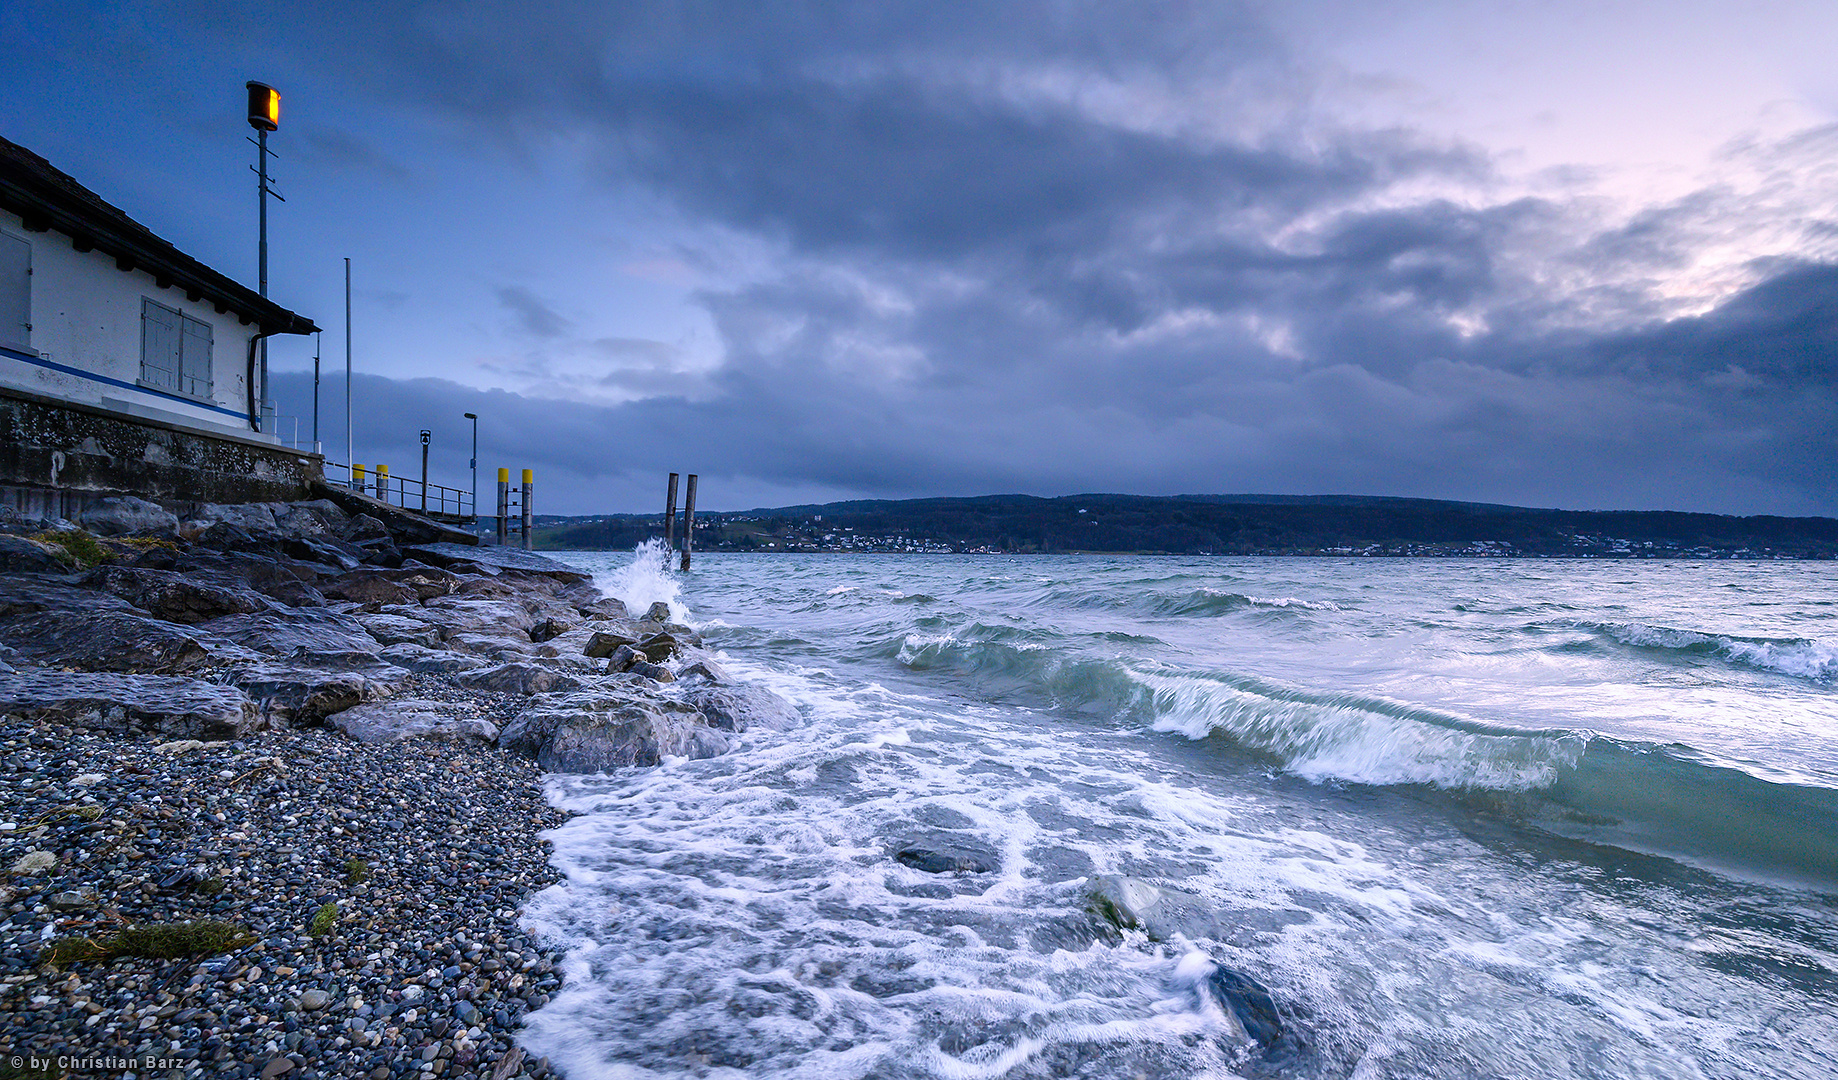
column 499, row 558
column 327, row 552
column 426, row 661
column 603, row 643
column 659, row 647
column 392, row 629
column 706, row 669
column 122, row 704
column 295, row 697
column 313, row 1001
column 362, row 527
column 172, row 596
column 24, row 555
column 318, row 519
column 658, row 612
column 311, row 629
column 393, row 721
column 518, row 678
column 605, row 607
column 644, row 669
column 550, row 629
column 253, row 519
column 412, row 583
column 593, row 731
column 948, row 855
column 1158, row 911
column 477, row 615
column 1249, row 1002
column 24, row 595
column 104, row 641
column 128, row 516
column 741, row 707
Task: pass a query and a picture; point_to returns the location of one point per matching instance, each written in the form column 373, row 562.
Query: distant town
column 1334, row 526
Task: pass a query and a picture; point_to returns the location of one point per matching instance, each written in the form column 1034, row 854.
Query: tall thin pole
column 474, row 417
column 689, row 520
column 316, row 351
column 261, row 157
column 350, row 458
column 670, row 516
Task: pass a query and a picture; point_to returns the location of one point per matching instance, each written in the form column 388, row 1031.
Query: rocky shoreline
column 271, row 790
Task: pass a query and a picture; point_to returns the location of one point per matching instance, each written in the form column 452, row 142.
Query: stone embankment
column 271, row 785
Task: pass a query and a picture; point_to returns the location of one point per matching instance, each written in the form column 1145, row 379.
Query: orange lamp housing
column 264, row 107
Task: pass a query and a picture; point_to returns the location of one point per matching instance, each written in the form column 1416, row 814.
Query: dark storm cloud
column 1010, row 257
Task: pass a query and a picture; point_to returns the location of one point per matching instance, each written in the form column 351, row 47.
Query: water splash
column 645, row 580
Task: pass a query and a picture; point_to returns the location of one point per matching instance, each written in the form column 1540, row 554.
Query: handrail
column 410, row 494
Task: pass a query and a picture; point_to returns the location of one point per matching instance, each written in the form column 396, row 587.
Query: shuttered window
column 175, row 351
column 15, row 293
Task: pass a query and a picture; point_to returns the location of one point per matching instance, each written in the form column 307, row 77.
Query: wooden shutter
column 161, row 344
column 195, row 359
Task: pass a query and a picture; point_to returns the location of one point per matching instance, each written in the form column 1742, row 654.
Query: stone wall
column 56, row 457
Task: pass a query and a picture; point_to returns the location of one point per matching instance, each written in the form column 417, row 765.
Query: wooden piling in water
column 689, row 519
column 670, row 516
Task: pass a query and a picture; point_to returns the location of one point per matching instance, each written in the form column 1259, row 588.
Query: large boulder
column 601, row 644
column 498, row 558
column 593, row 731
column 742, row 706
column 253, row 519
column 393, row 721
column 130, row 704
column 302, row 629
column 172, row 596
column 408, row 584
column 518, row 678
column 426, row 661
column 128, row 516
column 1158, row 911
column 19, row 596
column 944, row 854
column 107, row 641
column 393, row 629
column 24, row 555
column 300, row 696
column 316, row 520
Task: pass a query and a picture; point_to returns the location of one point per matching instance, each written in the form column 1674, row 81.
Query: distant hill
column 1220, row 525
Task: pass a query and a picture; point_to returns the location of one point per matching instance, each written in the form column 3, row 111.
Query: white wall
column 86, row 315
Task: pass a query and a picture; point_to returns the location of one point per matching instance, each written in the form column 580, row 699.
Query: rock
column 476, row 615
column 172, row 596
column 34, row 862
column 948, row 855
column 392, row 629
column 223, row 536
column 105, row 641
column 24, row 555
column 411, row 583
column 518, row 678
column 393, row 721
column 659, row 647
column 21, row 596
column 658, row 612
column 318, row 519
column 362, row 527
column 655, row 672
column 550, row 628
column 128, row 516
column 500, row 558
column 624, row 657
column 604, row 643
column 296, row 697
column 313, row 1001
column 74, row 900
column 604, row 607
column 706, row 669
column 325, row 551
column 1248, row 1001
column 311, row 629
column 426, row 661
column 153, row 704
column 593, row 731
column 1158, row 911
column 742, row 706
column 253, row 519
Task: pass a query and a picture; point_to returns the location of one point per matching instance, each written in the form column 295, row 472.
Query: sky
column 1573, row 253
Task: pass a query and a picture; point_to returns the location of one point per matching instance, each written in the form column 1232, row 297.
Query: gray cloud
column 533, row 316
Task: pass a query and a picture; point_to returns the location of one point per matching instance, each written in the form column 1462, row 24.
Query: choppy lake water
column 1465, row 819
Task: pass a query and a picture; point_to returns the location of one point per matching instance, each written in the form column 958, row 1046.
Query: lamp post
column 426, row 438
column 264, row 116
column 474, row 417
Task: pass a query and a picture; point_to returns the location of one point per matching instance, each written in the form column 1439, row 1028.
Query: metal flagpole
column 350, row 458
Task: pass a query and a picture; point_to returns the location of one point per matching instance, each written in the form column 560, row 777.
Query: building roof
column 46, row 198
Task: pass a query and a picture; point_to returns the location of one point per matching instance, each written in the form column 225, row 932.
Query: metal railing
column 409, row 494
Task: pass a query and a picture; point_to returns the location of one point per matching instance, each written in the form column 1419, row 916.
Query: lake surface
column 1464, row 818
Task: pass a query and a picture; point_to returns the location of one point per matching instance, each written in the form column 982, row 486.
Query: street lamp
column 474, row 417
column 264, row 116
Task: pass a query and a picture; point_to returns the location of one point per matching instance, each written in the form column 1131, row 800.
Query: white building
column 96, row 309
column 126, row 366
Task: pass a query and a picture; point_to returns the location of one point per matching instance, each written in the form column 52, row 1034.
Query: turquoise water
column 1464, row 818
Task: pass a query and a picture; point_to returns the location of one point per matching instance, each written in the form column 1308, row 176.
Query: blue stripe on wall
column 93, row 377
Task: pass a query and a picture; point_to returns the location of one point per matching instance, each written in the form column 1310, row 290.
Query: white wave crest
column 1348, row 741
column 645, row 580
column 1804, row 658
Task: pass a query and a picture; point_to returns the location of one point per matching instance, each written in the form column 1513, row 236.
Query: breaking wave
column 1801, row 657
